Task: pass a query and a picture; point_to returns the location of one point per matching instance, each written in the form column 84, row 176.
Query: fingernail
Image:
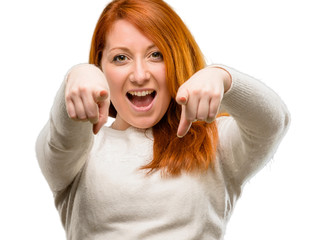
column 103, row 93
column 179, row 136
column 183, row 99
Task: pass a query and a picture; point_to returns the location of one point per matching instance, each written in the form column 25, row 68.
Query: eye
column 157, row 56
column 120, row 58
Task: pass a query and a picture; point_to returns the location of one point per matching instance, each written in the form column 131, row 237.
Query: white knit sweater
column 101, row 195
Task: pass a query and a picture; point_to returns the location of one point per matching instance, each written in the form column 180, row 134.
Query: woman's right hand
column 87, row 95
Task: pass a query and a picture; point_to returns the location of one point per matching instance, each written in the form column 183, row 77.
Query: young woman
column 169, row 167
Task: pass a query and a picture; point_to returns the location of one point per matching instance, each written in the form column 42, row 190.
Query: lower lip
column 142, row 109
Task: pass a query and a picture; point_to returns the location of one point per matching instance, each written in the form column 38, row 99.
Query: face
column 136, row 74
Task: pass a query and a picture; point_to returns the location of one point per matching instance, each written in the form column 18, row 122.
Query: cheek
column 164, row 89
column 115, row 84
column 114, row 79
column 165, row 94
column 165, row 98
column 161, row 78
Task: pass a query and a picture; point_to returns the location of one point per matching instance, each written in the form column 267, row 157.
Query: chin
column 144, row 123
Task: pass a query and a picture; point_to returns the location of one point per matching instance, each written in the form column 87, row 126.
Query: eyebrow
column 128, row 50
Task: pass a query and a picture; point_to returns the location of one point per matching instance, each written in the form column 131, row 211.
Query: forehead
column 126, row 34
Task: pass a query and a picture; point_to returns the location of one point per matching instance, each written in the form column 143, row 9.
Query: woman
column 168, row 167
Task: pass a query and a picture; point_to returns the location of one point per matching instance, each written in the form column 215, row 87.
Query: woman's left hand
column 200, row 96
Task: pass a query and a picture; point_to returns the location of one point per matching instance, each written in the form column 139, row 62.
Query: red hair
column 155, row 19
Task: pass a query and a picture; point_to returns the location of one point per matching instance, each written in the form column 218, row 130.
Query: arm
column 64, row 142
column 259, row 120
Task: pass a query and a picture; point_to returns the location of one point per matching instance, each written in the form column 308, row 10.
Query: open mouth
column 141, row 99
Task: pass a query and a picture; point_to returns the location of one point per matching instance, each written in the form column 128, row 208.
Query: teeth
column 140, row 93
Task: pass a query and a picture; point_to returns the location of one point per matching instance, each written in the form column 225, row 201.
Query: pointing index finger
column 184, row 124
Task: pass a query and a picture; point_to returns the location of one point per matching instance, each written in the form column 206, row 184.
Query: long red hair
column 155, row 19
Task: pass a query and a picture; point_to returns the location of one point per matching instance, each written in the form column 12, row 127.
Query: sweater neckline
column 130, row 130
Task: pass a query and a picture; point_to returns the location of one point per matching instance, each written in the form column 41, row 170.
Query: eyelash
column 117, row 59
column 160, row 55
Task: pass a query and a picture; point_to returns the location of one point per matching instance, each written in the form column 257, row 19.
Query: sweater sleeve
column 62, row 145
column 258, row 121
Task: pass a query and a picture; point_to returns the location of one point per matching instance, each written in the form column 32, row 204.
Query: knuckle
column 76, row 91
column 205, row 92
column 196, row 92
column 216, row 95
column 73, row 93
column 67, row 98
column 83, row 89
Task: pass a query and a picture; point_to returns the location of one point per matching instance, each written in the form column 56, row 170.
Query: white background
column 285, row 43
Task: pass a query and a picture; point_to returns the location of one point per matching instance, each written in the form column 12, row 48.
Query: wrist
column 226, row 77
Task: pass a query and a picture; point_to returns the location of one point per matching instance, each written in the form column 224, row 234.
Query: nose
column 140, row 74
